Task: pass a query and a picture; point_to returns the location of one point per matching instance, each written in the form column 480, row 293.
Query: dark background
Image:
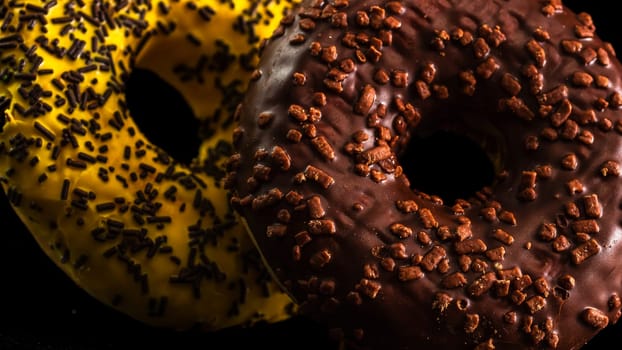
column 40, row 308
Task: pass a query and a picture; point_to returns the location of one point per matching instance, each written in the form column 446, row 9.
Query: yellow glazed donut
column 149, row 236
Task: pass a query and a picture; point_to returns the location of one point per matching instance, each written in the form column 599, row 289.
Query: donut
column 323, row 164
column 139, row 231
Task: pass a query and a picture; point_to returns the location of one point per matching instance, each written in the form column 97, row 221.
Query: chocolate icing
column 528, row 262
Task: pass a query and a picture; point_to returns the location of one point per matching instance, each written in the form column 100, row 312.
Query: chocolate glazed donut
column 529, row 260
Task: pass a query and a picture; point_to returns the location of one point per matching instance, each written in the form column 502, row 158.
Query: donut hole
column 163, row 115
column 446, row 164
